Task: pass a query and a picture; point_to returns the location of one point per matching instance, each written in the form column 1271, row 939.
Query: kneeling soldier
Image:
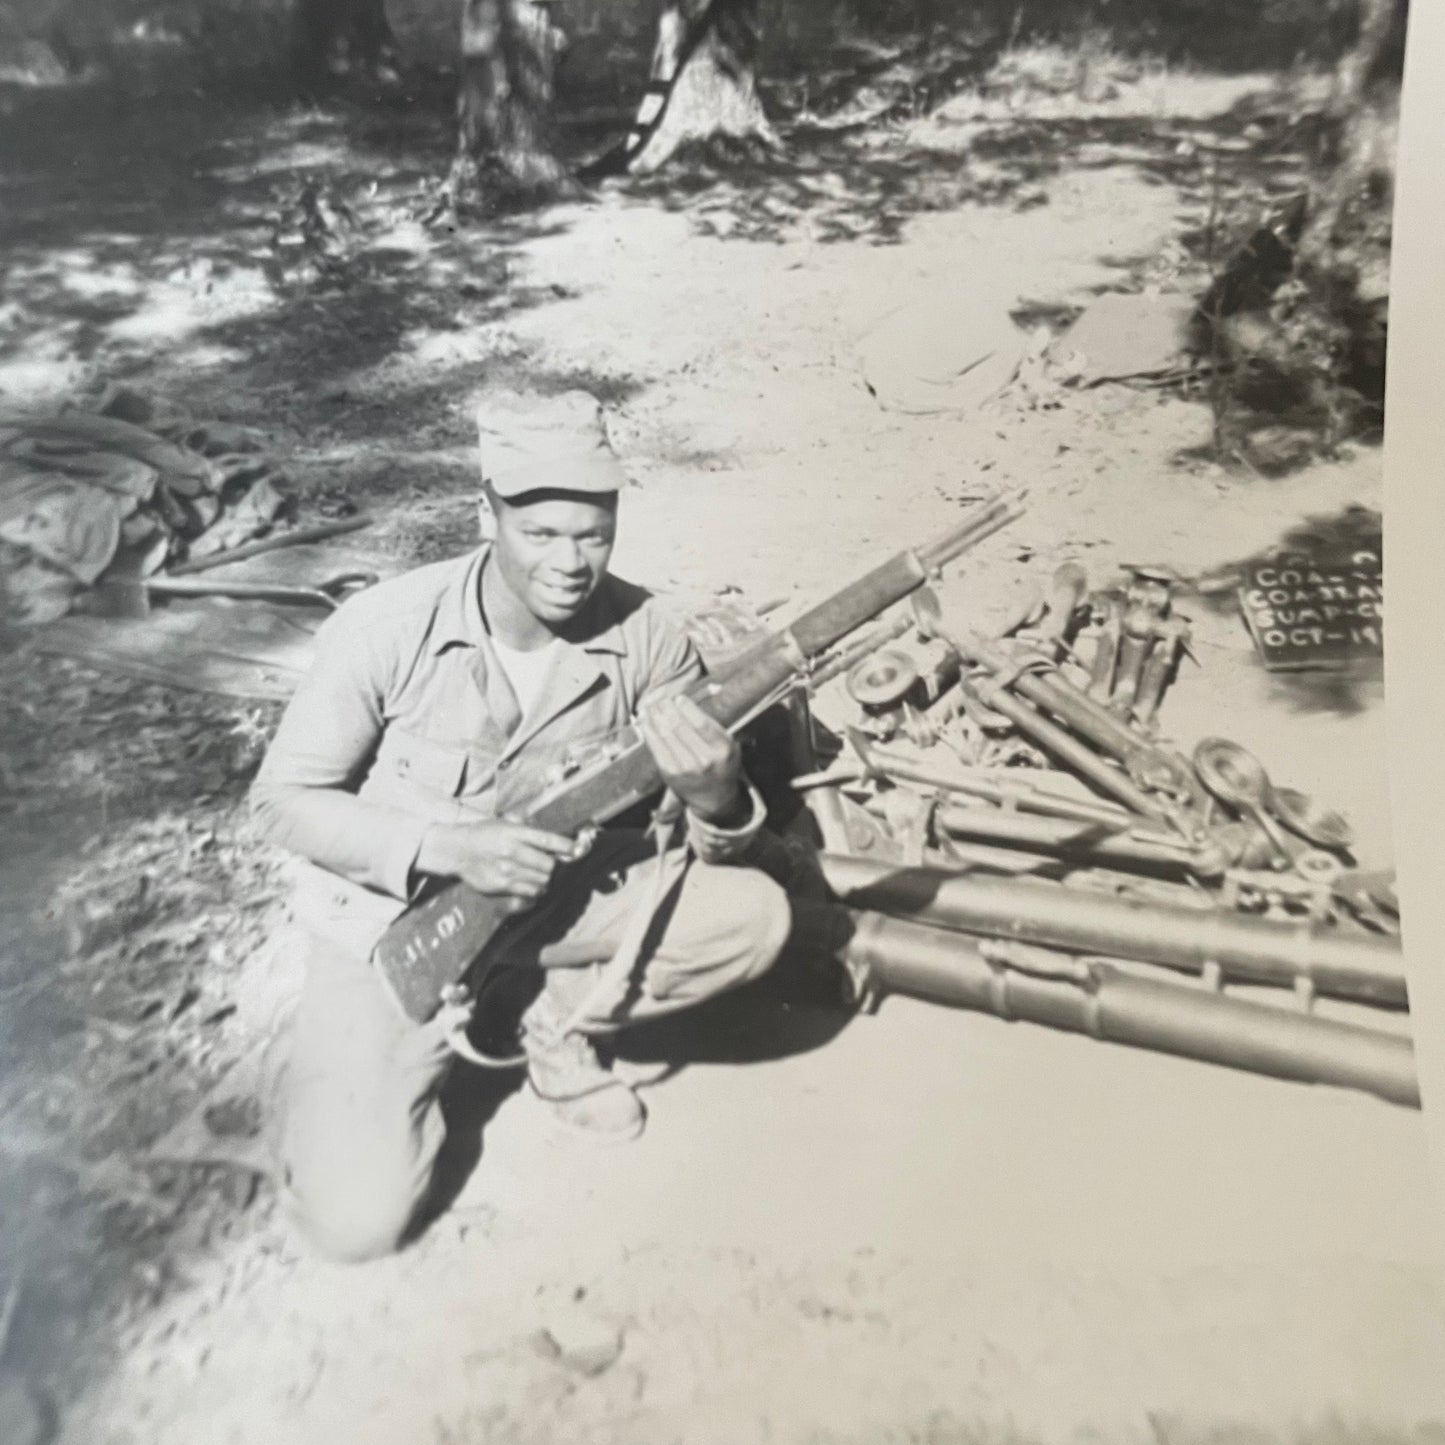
column 439, row 704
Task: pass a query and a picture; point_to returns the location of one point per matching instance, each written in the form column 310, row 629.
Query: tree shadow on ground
column 283, row 240
column 864, row 185
column 269, row 266
column 105, row 1039
column 1345, row 691
column 139, row 240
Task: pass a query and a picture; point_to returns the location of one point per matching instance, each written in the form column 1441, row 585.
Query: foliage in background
column 252, row 33
column 1309, row 358
column 1306, row 366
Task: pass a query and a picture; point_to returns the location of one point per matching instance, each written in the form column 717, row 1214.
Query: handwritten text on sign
column 1309, row 611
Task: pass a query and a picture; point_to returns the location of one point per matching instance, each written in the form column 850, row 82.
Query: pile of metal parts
column 1005, row 827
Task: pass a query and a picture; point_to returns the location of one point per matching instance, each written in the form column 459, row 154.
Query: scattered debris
column 581, row 1341
column 942, row 354
column 225, row 1129
column 313, row 232
column 98, row 739
column 1121, row 336
column 968, row 761
column 1057, row 718
column 121, row 491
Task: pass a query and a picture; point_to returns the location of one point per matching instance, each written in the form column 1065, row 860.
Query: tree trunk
column 703, row 83
column 1359, row 145
column 330, row 37
column 504, row 107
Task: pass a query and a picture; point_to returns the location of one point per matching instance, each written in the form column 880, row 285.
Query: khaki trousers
column 361, row 1126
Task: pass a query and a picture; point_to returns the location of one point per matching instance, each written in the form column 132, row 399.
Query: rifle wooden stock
column 435, row 943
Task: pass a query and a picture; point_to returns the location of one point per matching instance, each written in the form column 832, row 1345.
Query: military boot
column 583, row 1095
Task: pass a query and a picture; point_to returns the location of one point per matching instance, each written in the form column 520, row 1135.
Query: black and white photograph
column 693, row 725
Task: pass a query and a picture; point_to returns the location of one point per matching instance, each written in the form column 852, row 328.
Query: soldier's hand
column 697, row 757
column 502, row 858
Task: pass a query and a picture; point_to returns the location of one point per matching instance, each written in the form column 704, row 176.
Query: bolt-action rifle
column 434, row 944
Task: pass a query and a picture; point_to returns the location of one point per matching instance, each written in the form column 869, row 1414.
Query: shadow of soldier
column 789, row 1011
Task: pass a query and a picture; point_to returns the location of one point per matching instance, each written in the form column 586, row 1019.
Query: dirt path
column 919, row 1226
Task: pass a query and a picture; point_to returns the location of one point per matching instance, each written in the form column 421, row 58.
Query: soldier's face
column 553, row 553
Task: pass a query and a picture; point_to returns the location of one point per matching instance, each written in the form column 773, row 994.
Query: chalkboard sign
column 1315, row 610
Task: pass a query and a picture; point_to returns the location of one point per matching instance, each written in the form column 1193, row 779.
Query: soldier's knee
column 732, row 926
column 357, row 1203
column 353, row 1227
column 764, row 909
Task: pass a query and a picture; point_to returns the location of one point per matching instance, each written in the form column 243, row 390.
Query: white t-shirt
column 526, row 671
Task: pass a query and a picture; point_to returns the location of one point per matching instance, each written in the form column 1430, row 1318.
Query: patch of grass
column 1090, row 66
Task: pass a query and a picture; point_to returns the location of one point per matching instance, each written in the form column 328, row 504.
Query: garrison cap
column 560, row 443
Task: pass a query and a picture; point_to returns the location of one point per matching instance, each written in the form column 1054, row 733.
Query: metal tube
column 1106, row 650
column 1067, row 589
column 1246, row 949
column 825, row 624
column 1076, row 839
column 879, row 762
column 1134, row 647
column 1088, row 718
column 890, row 955
column 988, row 693
column 1171, row 638
column 1053, row 693
column 1053, row 739
column 855, row 652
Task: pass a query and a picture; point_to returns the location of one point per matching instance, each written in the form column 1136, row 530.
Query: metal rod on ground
column 1029, row 695
column 1145, row 762
column 882, row 763
column 1068, row 750
column 319, row 533
column 1075, row 839
column 891, row 955
column 1055, row 694
column 1244, row 949
column 993, row 695
column 847, row 828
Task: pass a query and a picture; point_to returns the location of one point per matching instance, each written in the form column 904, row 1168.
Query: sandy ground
column 914, row 1226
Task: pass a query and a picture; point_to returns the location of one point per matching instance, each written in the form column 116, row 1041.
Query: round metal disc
column 882, row 680
column 1233, row 775
column 1312, row 821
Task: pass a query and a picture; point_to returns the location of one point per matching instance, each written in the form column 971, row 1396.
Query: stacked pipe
column 1144, row 863
column 883, row 954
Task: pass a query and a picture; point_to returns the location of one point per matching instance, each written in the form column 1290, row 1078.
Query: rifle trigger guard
column 454, row 1018
column 458, row 1042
